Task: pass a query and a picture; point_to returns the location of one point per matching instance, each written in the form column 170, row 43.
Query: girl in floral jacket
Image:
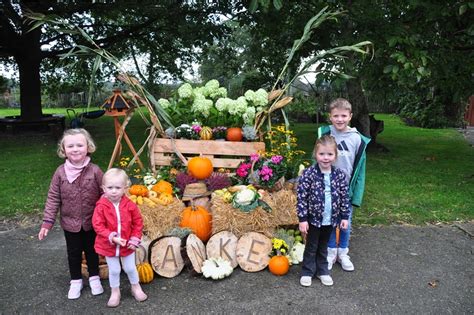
column 323, row 201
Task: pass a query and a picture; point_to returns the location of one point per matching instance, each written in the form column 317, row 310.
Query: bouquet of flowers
column 262, row 172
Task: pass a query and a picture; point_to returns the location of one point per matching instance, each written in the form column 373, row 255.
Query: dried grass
column 158, row 220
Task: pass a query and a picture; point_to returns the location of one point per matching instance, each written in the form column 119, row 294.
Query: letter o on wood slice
column 196, row 252
column 224, row 245
column 165, row 256
column 252, row 251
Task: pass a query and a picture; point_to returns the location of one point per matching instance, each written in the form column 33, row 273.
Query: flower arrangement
column 279, row 247
column 260, row 171
column 185, row 131
column 219, row 132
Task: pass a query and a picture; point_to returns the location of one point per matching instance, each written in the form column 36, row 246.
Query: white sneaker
column 344, row 259
column 96, row 286
column 332, row 256
column 326, row 280
column 75, row 289
column 305, row 281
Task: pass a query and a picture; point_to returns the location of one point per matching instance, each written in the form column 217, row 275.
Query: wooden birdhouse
column 116, row 105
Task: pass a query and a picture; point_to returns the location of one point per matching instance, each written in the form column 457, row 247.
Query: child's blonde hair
column 72, row 132
column 340, row 103
column 113, row 173
column 326, row 140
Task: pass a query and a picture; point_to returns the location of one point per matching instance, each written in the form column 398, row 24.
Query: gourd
column 234, row 134
column 163, row 187
column 205, row 133
column 216, row 268
column 152, row 194
column 138, row 190
column 145, row 272
column 279, row 265
column 199, row 220
column 165, row 199
column 200, row 167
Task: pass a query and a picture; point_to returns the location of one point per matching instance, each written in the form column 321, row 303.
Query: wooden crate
column 226, row 154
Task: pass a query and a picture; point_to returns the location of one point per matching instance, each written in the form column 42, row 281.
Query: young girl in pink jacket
column 118, row 224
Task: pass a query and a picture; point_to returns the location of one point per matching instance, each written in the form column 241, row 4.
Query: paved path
column 394, row 268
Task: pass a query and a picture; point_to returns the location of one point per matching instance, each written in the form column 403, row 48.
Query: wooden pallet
column 225, row 154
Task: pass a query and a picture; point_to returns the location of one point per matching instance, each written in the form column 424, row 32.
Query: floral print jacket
column 310, row 205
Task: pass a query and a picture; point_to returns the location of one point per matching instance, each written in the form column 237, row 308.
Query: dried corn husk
column 281, row 103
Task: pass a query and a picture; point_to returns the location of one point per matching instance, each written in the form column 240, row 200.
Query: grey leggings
column 128, row 263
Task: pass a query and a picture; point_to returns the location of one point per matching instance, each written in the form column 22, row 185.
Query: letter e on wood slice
column 196, row 252
column 252, row 251
column 165, row 256
column 224, row 245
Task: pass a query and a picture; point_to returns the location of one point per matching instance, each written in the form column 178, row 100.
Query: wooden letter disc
column 196, row 252
column 252, row 251
column 224, row 245
column 165, row 256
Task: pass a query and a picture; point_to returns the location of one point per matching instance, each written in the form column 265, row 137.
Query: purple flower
column 265, row 173
column 254, row 157
column 276, row 159
column 243, row 169
column 196, row 128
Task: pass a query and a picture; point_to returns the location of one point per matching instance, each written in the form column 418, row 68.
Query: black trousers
column 315, row 255
column 76, row 243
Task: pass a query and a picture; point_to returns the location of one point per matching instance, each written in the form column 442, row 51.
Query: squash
column 205, row 133
column 200, row 167
column 163, row 187
column 234, row 134
column 165, row 199
column 199, row 220
column 138, row 190
column 145, row 272
column 216, row 268
column 279, row 265
column 152, row 194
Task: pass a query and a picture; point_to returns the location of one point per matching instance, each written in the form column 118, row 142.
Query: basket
column 253, row 179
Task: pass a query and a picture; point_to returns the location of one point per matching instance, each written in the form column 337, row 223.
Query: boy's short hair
column 91, row 147
column 116, row 172
column 340, row 103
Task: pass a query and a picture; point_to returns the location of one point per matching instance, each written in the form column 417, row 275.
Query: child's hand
column 344, row 224
column 304, row 227
column 43, row 233
column 119, row 241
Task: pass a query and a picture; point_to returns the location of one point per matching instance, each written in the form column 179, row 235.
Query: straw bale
column 158, row 220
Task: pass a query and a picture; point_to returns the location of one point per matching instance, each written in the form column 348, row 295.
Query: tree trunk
column 28, row 58
column 360, row 111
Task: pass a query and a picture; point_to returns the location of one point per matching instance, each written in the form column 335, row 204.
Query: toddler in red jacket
column 118, row 224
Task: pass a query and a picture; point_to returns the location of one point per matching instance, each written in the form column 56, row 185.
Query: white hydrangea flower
column 261, row 98
column 185, row 90
column 250, row 95
column 202, row 106
column 249, row 115
column 222, row 104
column 164, row 103
column 220, row 92
column 241, row 105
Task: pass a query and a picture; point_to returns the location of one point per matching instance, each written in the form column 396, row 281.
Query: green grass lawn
column 428, row 175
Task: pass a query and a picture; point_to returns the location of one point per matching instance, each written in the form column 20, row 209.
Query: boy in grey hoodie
column 351, row 158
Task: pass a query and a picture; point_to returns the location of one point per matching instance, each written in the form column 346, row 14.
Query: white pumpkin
column 216, row 268
column 297, row 253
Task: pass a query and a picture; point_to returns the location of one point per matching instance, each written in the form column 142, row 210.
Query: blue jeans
column 344, row 235
column 315, row 256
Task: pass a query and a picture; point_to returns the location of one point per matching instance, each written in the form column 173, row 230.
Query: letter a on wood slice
column 165, row 256
column 196, row 252
column 224, row 245
column 252, row 251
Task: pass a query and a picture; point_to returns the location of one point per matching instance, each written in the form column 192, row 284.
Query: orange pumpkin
column 279, row 265
column 165, row 199
column 199, row 220
column 234, row 134
column 163, row 187
column 138, row 190
column 200, row 167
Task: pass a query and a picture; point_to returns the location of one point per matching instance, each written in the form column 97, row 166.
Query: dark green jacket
column 357, row 181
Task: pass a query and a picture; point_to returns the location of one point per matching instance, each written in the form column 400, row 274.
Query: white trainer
column 96, row 286
column 326, row 280
column 344, row 259
column 332, row 256
column 75, row 289
column 305, row 281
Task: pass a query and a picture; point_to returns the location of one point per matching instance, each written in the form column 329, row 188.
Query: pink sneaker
column 75, row 289
column 96, row 286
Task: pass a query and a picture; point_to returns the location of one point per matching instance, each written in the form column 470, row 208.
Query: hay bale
column 227, row 218
column 158, row 220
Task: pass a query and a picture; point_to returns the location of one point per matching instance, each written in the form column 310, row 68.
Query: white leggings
column 128, row 263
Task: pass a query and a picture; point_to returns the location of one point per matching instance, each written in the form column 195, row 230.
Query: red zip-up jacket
column 126, row 224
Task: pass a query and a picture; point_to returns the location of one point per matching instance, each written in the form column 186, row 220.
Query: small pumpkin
column 199, row 220
column 163, row 187
column 279, row 265
column 165, row 199
column 216, row 268
column 145, row 272
column 200, row 167
column 152, row 194
column 138, row 190
column 205, row 133
column 234, row 134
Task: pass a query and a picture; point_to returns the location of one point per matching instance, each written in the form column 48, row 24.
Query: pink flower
column 243, row 169
column 265, row 173
column 276, row 159
column 254, row 157
column 196, row 128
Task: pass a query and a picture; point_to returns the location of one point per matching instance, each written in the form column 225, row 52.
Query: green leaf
column 395, row 69
column 387, row 69
column 462, row 9
column 253, row 6
column 471, row 5
column 278, row 4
